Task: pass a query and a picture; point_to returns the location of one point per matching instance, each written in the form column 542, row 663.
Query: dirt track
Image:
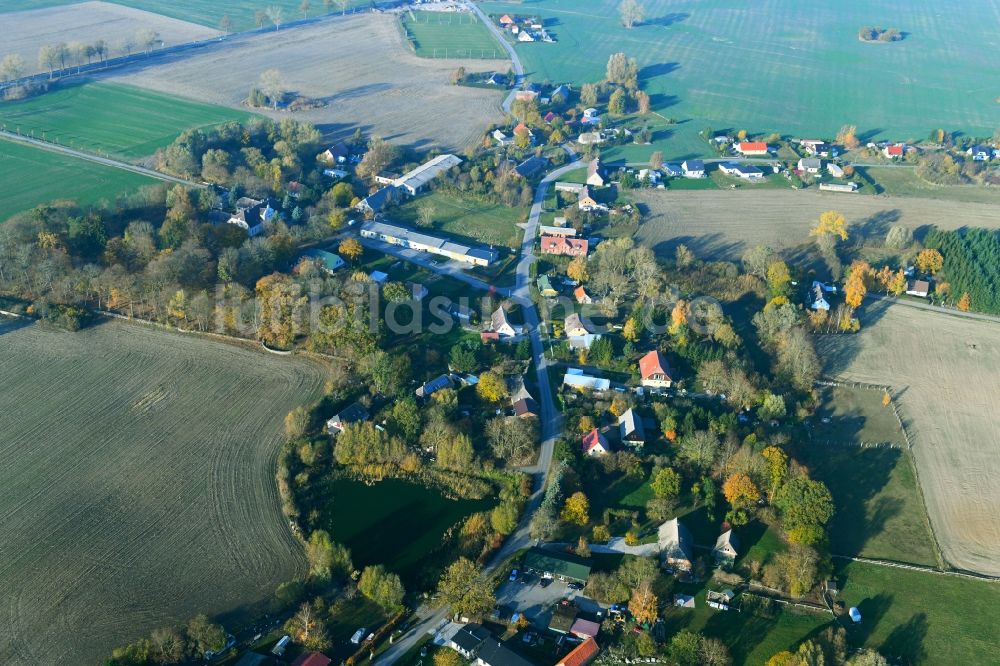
column 944, row 369
column 136, row 485
column 722, row 224
column 358, row 64
column 26, row 32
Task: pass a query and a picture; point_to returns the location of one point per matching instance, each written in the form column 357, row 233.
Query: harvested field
column 359, row 65
column 87, row 22
column 943, row 368
column 722, row 224
column 138, row 487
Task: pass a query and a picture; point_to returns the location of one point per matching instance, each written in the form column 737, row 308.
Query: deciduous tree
column 576, row 509
column 350, row 249
column 644, row 605
column 631, row 13
column 383, row 587
column 929, row 261
column 464, row 591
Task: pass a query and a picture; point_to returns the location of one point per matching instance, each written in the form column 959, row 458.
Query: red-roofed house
column 582, row 296
column 585, row 629
column 748, row 148
column 595, row 444
column 583, row 654
column 550, row 116
column 895, row 150
column 312, row 659
column 572, row 247
column 506, row 19
column 521, row 129
column 654, row 370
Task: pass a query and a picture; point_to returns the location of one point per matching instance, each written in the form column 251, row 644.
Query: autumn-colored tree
column 740, row 491
column 585, row 424
column 350, row 249
column 964, row 303
column 631, row 330
column 577, row 269
column 576, row 509
column 857, row 283
column 642, row 100
column 784, row 658
column 886, row 399
column 831, row 223
column 644, row 605
column 779, row 279
column 777, row 469
column 601, row 534
column 666, row 483
column 491, row 386
column 848, row 137
column 742, row 135
column 447, row 658
column 930, row 261
column 678, row 317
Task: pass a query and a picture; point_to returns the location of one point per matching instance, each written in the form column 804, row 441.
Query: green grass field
column 796, row 68
column 199, row 11
column 922, row 618
column 467, row 218
column 32, row 176
column 450, row 35
column 880, row 512
column 395, row 523
column 109, row 118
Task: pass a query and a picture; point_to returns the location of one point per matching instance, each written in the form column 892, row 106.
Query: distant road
column 97, row 159
column 933, row 308
column 518, row 69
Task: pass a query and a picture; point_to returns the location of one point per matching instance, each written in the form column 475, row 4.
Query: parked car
column 546, row 582
column 575, row 585
column 513, row 576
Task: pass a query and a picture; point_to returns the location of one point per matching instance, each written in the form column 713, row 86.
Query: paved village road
column 515, row 61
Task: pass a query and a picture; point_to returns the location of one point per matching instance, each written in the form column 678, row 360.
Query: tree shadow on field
column 714, row 246
column 869, row 134
column 876, row 226
column 906, row 641
column 9, row 325
column 872, row 611
column 668, row 19
column 658, row 69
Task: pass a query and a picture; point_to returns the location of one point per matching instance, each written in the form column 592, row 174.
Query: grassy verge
column 466, row 218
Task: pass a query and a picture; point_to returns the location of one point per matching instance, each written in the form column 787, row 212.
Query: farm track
column 116, row 516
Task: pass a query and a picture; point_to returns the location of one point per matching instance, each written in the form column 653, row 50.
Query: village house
column 494, row 653
column 386, row 177
column 327, row 261
column 676, row 545
column 525, row 36
column 571, row 188
column 751, row 148
column 467, row 640
column 726, row 547
column 556, row 231
column 523, row 129
column 312, row 659
column 818, row 297
column 545, row 287
column 355, row 413
column 531, row 167
column 252, row 214
column 595, row 444
column 555, row 564
column 525, row 408
column 584, row 628
column 336, row 174
column 810, row 165
column 894, row 150
column 590, row 116
column 571, row 247
column 377, row 201
column 590, row 138
column 526, row 95
column 594, row 176
column 435, row 385
column 588, row 203
column 335, row 154
column 920, row 288
column 745, row 171
column 630, row 430
column 839, row 187
column 417, row 290
column 673, row 170
column 654, row 371
column 582, row 654
column 415, row 240
column 980, row 153
column 693, row 168
column 574, row 327
column 576, row 379
column 500, row 324
column 651, row 176
column 502, row 139
column 497, row 79
column 835, row 170
column 582, row 296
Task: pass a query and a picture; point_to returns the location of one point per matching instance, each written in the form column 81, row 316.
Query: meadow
column 110, row 118
column 450, row 35
column 139, row 489
column 32, row 176
column 242, row 14
column 393, row 522
column 466, row 218
column 796, row 68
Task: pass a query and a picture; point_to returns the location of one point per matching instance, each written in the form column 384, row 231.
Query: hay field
column 138, row 488
column 32, row 176
column 360, row 65
column 111, row 119
column 722, row 224
column 792, row 67
column 86, row 22
column 943, row 368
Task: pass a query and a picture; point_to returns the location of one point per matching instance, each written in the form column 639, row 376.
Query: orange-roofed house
column 312, row 659
column 895, row 150
column 594, row 444
column 571, row 247
column 583, row 654
column 749, row 148
column 582, row 296
column 506, row 19
column 522, row 129
column 655, row 371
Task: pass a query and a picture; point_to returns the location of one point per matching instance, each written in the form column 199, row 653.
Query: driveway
column 537, row 603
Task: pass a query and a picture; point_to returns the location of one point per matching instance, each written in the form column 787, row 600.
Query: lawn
column 922, row 618
column 880, row 512
column 466, row 219
column 450, row 35
column 151, row 497
column 393, row 522
column 32, row 176
column 905, row 182
column 789, row 67
column 110, row 118
column 240, row 12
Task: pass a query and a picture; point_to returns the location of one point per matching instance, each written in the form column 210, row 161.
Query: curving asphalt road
column 518, row 69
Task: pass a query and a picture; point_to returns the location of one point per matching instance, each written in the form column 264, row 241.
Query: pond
column 396, row 523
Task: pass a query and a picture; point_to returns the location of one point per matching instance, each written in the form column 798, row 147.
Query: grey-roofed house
column 414, row 180
column 395, row 234
column 693, row 168
column 594, row 175
column 675, row 545
column 376, row 202
column 575, row 378
column 468, row 639
column 579, row 336
column 726, row 547
column 811, row 165
column 251, row 214
column 500, row 324
column 630, row 428
column 531, row 167
column 556, row 564
column 354, row 413
column 494, row 653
